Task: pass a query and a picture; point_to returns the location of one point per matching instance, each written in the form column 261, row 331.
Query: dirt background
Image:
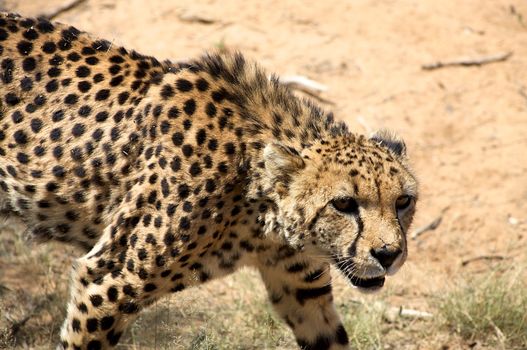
column 465, row 127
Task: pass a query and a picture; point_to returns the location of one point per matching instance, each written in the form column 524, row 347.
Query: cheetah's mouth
column 363, row 283
column 367, row 283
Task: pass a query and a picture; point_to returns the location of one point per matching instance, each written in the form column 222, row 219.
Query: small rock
column 513, row 221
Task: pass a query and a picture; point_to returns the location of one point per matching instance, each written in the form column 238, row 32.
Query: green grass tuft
column 492, row 309
column 363, row 323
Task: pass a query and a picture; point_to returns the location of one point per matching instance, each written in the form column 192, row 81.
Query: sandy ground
column 465, row 127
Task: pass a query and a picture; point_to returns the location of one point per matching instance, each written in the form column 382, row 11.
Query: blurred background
column 449, row 76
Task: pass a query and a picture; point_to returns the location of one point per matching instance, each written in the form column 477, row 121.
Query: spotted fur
column 172, row 175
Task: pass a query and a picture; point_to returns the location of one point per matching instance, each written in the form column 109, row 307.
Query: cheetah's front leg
column 109, row 288
column 301, row 294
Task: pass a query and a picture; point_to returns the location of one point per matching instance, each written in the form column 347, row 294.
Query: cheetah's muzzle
column 366, row 284
column 370, row 284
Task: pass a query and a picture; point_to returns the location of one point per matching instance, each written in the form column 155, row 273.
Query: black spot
column 156, row 112
column 52, row 86
column 58, row 152
column 178, row 138
column 24, row 47
column 57, row 116
column 92, row 60
column 195, row 169
column 178, row 287
column 187, row 150
column 30, row 188
column 58, row 171
column 129, row 307
column 107, row 322
column 8, row 66
column 189, row 107
column 12, row 99
column 36, row 125
column 97, row 134
column 17, row 117
column 222, row 167
column 82, row 71
column 26, row 84
column 175, row 164
column 71, row 99
column 92, row 324
column 302, row 294
column 202, row 84
column 165, row 127
column 78, row 129
column 102, row 95
column 116, row 59
column 74, row 57
column 201, row 135
column 341, row 336
column 122, row 97
column 184, row 223
column 94, row 345
column 183, row 191
column 129, row 290
column 183, row 85
column 54, row 72
column 101, row 116
column 3, row 34
column 45, row 26
column 167, row 91
column 219, row 95
column 96, row 300
column 84, row 111
column 76, row 325
column 210, row 186
column 20, row 137
column 230, row 149
column 113, row 337
column 171, row 209
column 116, row 81
column 49, row 47
column 160, row 260
column 210, row 109
column 22, row 158
column 173, row 112
column 29, row 64
column 114, row 69
column 56, row 60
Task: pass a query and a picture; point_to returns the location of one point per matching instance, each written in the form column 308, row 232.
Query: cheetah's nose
column 386, row 255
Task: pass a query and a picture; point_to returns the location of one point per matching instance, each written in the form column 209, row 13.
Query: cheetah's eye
column 403, row 202
column 346, row 205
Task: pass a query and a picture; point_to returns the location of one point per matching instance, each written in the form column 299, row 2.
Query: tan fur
column 172, row 175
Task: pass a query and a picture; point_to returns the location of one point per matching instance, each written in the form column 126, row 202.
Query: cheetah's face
column 351, row 200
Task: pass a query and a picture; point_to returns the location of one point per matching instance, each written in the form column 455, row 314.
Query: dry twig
column 392, row 313
column 483, row 257
column 307, row 86
column 69, row 5
column 466, row 62
column 428, row 227
column 192, row 18
column 296, row 82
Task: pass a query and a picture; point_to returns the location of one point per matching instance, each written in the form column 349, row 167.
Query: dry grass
column 233, row 313
column 491, row 309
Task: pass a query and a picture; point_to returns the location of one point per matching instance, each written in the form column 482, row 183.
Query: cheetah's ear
column 281, row 161
column 390, row 140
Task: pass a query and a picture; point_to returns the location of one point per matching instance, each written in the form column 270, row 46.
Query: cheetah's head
column 350, row 199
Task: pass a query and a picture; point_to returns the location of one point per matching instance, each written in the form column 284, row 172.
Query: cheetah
column 170, row 175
